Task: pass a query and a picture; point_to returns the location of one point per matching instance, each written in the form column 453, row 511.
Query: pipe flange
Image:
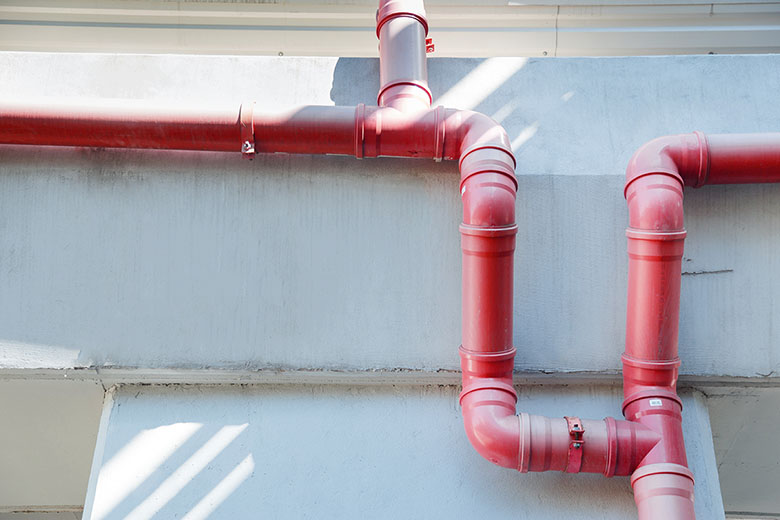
column 704, row 160
column 397, row 8
column 422, row 85
column 487, row 231
column 487, row 356
column 661, row 467
column 487, row 384
column 652, row 393
column 524, row 450
column 360, row 130
column 612, row 447
column 479, row 146
column 644, row 234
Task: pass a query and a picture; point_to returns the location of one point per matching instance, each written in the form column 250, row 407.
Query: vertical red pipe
column 403, row 76
column 663, row 484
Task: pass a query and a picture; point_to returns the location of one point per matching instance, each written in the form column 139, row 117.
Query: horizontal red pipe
column 119, row 124
column 743, row 158
column 362, row 131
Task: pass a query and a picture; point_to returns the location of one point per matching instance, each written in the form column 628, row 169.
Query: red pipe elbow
column 684, row 157
column 487, row 166
column 488, row 404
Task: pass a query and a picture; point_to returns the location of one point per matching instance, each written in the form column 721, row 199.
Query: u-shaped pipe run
column 649, row 445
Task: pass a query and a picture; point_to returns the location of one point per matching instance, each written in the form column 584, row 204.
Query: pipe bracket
column 247, row 124
column 576, row 444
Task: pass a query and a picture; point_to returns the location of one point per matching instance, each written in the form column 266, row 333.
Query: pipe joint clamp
column 576, row 444
column 247, row 124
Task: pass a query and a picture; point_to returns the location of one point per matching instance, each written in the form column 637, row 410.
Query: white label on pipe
column 656, row 402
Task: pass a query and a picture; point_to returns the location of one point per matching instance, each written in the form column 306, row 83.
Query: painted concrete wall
column 743, row 424
column 150, row 259
column 346, row 452
column 47, row 436
column 164, row 260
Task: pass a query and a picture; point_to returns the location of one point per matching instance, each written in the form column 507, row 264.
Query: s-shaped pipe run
column 402, row 125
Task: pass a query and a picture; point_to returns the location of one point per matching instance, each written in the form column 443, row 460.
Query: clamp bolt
column 248, row 149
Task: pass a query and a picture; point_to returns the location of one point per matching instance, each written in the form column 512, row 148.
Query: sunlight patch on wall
column 136, row 462
column 221, row 491
column 527, row 133
column 480, row 83
column 185, row 473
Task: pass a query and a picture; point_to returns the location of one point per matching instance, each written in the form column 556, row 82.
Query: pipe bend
column 492, row 426
column 468, row 131
column 487, row 167
column 684, row 157
column 535, row 443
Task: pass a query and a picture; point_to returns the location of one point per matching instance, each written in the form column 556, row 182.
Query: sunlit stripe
column 221, row 491
column 185, row 473
column 135, row 462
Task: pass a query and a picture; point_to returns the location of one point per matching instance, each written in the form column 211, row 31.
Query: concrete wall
column 346, row 452
column 165, row 260
column 157, row 260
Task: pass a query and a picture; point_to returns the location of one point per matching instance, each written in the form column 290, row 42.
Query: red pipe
column 120, row 124
column 403, row 125
column 360, row 131
column 656, row 174
column 649, row 444
column 402, row 27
